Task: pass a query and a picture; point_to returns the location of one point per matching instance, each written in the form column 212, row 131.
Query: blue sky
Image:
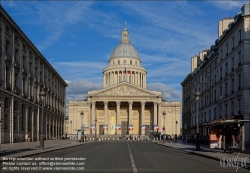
column 77, row 37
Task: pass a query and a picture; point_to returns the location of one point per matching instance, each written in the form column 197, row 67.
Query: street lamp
column 176, row 130
column 151, row 128
column 197, row 99
column 42, row 96
column 71, row 126
column 164, row 128
column 95, row 129
column 81, row 125
column 176, row 127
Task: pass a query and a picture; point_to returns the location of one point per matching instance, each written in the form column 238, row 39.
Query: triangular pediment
column 124, row 89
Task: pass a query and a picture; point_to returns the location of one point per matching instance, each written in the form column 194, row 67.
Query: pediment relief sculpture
column 124, row 90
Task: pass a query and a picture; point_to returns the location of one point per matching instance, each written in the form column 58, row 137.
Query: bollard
column 113, row 138
column 102, row 139
column 99, row 139
column 105, row 139
column 108, row 139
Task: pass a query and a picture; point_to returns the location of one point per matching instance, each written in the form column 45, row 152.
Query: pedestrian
column 26, row 137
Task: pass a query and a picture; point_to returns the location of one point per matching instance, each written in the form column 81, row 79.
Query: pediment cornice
column 124, row 89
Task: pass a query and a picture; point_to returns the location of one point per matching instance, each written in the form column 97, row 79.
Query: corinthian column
column 106, row 115
column 142, row 116
column 130, row 114
column 155, row 113
column 93, row 113
column 159, row 117
column 118, row 120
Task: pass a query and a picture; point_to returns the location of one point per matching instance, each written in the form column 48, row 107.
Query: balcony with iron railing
column 17, row 90
column 7, row 57
column 8, row 86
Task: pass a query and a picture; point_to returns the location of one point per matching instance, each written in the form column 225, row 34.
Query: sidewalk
column 216, row 154
column 24, row 149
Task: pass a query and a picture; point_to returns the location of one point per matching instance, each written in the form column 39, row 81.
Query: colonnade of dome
column 124, row 65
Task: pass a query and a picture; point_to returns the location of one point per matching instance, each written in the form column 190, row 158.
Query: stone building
column 124, row 100
column 24, row 72
column 222, row 75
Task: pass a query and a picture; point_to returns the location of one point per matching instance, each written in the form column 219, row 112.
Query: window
column 226, row 49
column 233, row 43
column 15, row 123
column 239, row 56
column 5, row 121
column 225, row 109
column 221, row 53
column 16, row 55
column 232, row 63
column 225, row 89
column 221, row 73
column 239, row 102
column 124, row 62
column 215, row 114
column 239, row 81
column 6, row 103
column 220, row 111
column 130, row 62
column 24, row 61
column 226, row 66
column 7, row 45
column 15, row 106
column 135, row 62
column 232, row 84
column 239, row 35
column 220, row 90
column 232, row 108
column 118, row 62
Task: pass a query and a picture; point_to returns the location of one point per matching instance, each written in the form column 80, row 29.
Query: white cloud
column 168, row 93
column 67, row 81
column 229, row 4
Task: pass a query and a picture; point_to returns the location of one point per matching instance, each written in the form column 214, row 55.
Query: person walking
column 26, row 138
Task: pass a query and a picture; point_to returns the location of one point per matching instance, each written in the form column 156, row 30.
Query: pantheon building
column 124, row 106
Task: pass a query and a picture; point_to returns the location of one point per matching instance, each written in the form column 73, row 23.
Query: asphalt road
column 121, row 157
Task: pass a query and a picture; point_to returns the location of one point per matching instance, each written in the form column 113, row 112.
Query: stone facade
column 24, row 72
column 124, row 100
column 222, row 75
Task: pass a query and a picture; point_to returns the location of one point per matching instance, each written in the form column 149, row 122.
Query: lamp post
column 151, row 128
column 71, row 126
column 176, row 131
column 176, row 127
column 42, row 95
column 164, row 128
column 82, row 114
column 197, row 99
column 95, row 129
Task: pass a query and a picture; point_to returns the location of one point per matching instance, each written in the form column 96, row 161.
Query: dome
column 124, row 50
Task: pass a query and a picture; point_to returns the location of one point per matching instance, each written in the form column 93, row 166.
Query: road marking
column 132, row 160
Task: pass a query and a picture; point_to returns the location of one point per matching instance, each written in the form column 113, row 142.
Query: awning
column 228, row 122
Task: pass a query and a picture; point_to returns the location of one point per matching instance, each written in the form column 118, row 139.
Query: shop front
column 227, row 134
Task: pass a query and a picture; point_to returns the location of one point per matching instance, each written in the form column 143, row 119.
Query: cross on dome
column 125, row 25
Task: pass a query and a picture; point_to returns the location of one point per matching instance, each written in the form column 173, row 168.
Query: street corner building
column 24, row 73
column 124, row 101
column 222, row 76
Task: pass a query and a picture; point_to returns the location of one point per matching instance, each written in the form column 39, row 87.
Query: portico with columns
column 124, row 99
